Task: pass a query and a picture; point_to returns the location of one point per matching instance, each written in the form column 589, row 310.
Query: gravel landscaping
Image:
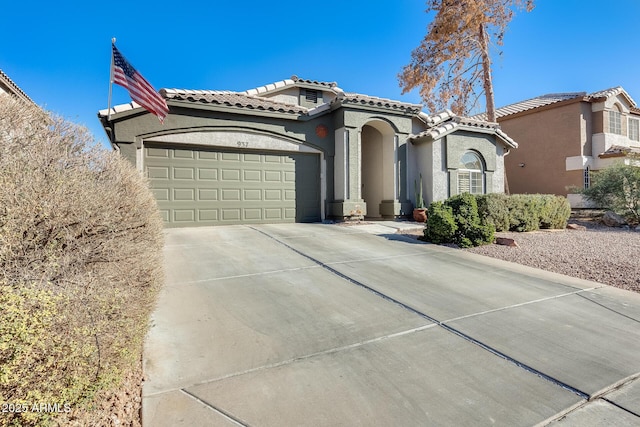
column 599, row 253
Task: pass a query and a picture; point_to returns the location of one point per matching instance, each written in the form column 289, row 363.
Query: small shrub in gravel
column 457, row 221
column 523, row 213
column 493, row 209
column 529, row 212
column 554, row 211
column 471, row 232
column 441, row 226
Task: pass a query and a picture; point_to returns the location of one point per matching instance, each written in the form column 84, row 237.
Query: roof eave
column 429, row 134
column 14, row 89
column 119, row 112
column 291, row 83
column 544, row 108
column 262, row 112
column 400, row 110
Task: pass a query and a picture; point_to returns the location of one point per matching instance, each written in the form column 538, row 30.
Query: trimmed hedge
column 493, row 209
column 468, row 220
column 524, row 212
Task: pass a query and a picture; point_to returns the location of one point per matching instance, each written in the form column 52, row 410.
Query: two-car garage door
column 214, row 187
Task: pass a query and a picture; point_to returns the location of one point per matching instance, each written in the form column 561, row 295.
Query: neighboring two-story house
column 302, row 150
column 563, row 137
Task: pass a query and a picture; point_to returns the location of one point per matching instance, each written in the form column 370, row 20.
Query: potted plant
column 419, row 212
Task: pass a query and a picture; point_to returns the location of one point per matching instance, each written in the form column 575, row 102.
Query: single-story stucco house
column 302, row 151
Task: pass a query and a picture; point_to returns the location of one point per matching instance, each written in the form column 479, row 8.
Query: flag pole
column 113, row 42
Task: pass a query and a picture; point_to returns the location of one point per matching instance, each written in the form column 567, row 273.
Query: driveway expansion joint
column 522, row 304
column 260, row 273
column 448, row 328
column 226, row 415
column 611, row 402
column 609, row 308
column 299, row 358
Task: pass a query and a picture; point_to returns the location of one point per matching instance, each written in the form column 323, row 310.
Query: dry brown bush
column 80, row 264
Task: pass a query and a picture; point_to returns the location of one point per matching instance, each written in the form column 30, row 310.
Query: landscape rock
column 576, row 227
column 612, row 219
column 505, row 241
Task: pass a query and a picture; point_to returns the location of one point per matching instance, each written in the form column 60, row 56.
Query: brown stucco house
column 562, row 137
column 302, row 150
column 8, row 86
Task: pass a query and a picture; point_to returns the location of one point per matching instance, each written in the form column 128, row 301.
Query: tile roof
column 530, row 104
column 614, row 91
column 552, row 98
column 294, row 81
column 441, row 128
column 433, row 120
column 232, row 99
column 619, row 151
column 5, row 80
column 374, row 101
column 255, row 99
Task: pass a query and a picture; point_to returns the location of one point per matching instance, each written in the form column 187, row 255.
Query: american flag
column 139, row 88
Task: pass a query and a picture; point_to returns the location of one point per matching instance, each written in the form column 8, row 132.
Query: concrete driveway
column 329, row 325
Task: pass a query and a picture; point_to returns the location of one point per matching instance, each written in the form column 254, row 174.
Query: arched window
column 471, row 174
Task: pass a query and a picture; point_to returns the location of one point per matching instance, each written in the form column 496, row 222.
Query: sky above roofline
column 62, row 61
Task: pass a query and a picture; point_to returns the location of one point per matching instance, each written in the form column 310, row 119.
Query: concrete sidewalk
column 326, row 325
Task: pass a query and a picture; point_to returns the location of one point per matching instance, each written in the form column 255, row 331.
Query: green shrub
column 457, row 221
column 523, row 213
column 554, row 211
column 441, row 226
column 470, row 231
column 80, row 263
column 617, row 188
column 529, row 212
column 469, row 220
column 465, row 210
column 493, row 209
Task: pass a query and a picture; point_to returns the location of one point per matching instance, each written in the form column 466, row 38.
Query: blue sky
column 59, row 52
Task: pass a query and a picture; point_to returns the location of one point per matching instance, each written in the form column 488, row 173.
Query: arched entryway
column 378, row 165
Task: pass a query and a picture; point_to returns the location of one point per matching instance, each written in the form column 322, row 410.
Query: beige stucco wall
column 545, row 139
column 372, row 174
column 288, row 96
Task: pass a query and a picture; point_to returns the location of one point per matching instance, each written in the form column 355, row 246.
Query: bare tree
column 452, row 65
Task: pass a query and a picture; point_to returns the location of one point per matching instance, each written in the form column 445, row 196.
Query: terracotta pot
column 420, row 215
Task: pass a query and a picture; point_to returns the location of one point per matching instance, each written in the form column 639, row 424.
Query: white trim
column 140, row 157
column 575, row 163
